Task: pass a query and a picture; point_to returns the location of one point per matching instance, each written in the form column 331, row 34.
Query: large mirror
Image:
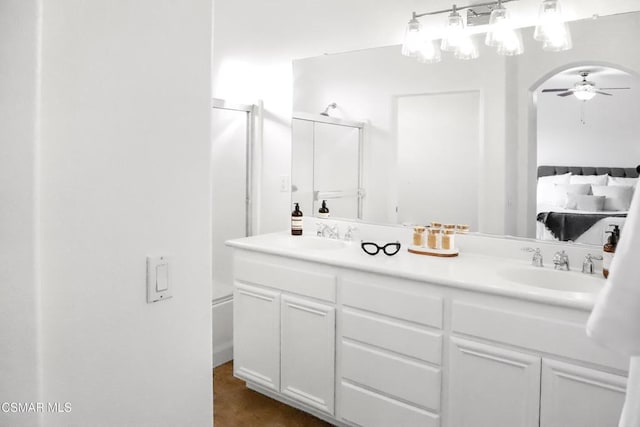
column 457, row 141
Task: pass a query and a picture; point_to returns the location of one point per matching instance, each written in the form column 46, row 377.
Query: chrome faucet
column 348, row 236
column 322, row 228
column 587, row 264
column 333, row 232
column 561, row 261
column 536, row 260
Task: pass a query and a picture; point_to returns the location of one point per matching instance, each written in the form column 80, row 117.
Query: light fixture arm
column 456, row 8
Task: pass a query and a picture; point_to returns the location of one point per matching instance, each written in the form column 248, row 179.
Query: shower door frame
column 250, row 110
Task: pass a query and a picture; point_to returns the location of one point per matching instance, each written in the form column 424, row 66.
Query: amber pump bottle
column 324, row 210
column 609, row 249
column 296, row 221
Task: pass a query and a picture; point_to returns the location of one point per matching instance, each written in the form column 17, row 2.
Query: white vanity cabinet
column 576, row 396
column 308, row 352
column 490, row 386
column 256, row 336
column 361, row 349
column 284, row 337
column 390, row 352
column 493, row 384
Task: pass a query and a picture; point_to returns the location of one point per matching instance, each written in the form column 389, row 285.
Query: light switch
column 162, row 277
column 158, row 279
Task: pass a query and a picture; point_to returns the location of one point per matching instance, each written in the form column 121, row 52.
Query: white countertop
column 471, row 271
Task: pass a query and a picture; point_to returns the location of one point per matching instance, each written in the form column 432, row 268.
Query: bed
column 579, row 204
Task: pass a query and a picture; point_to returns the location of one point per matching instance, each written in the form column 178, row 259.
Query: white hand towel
column 615, row 320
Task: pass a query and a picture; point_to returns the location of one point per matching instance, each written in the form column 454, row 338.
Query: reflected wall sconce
column 419, row 42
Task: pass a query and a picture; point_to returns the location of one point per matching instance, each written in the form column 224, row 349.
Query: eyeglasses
column 373, row 249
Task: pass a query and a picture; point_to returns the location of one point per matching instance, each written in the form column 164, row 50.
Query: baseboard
column 222, row 354
column 222, row 328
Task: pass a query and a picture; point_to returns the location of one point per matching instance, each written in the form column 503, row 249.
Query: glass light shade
column 467, row 49
column 511, row 43
column 430, row 52
column 552, row 29
column 412, row 38
column 502, row 34
column 584, row 92
column 454, row 33
column 496, row 26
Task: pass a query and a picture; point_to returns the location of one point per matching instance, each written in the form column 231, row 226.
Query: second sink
column 565, row 281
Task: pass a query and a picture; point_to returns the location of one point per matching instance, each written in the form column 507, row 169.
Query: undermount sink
column 565, row 281
column 313, row 243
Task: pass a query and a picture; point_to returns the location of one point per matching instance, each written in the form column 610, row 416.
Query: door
column 492, row 387
column 308, row 352
column 336, row 169
column 576, row 396
column 256, row 335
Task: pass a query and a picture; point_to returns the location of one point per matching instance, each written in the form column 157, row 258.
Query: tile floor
column 237, row 406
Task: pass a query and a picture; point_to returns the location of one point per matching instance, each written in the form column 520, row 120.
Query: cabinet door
column 492, row 387
column 308, row 352
column 256, row 335
column 577, row 396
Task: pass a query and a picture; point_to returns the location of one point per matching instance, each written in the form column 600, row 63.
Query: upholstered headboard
column 587, row 170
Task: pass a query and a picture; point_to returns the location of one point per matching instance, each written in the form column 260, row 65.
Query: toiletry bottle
column 609, row 249
column 418, row 235
column 323, row 212
column 296, row 221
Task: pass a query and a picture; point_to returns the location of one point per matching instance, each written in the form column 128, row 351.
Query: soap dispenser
column 323, row 212
column 296, row 221
column 609, row 249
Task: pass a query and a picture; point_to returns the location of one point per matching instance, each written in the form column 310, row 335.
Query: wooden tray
column 446, row 253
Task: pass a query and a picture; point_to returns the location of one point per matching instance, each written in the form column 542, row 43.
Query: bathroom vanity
column 409, row 340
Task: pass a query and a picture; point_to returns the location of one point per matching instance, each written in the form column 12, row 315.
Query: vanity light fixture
column 455, row 35
column 552, row 29
column 502, row 33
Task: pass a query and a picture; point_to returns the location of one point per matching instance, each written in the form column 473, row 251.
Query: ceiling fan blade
column 613, row 88
column 603, row 93
column 566, row 93
column 554, row 90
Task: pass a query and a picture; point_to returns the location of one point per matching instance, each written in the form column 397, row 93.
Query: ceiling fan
column 584, row 90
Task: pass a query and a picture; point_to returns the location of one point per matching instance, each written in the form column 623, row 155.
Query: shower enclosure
column 327, row 155
column 232, row 136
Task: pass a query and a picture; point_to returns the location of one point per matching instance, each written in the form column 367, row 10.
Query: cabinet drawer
column 554, row 336
column 410, row 381
column 384, row 296
column 366, row 408
column 287, row 278
column 397, row 337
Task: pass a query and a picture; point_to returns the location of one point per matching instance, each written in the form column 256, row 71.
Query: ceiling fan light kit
column 552, row 30
column 583, row 90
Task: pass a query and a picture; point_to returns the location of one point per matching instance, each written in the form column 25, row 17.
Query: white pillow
column 546, row 193
column 615, row 180
column 618, row 197
column 562, row 190
column 589, row 179
column 583, row 202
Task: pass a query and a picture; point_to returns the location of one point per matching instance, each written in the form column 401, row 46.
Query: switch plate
column 158, row 279
column 285, row 186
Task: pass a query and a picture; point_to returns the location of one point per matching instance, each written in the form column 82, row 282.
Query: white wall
column 124, row 166
column 256, row 41
column 439, row 142
column 19, row 345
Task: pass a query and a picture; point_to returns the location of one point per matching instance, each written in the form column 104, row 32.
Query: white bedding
column 593, row 236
